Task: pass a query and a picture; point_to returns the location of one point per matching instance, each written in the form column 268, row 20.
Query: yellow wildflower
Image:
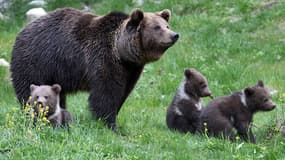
column 45, row 119
column 33, row 115
column 283, row 94
column 28, row 106
column 42, row 124
column 10, row 124
column 29, row 132
column 14, row 109
column 7, row 116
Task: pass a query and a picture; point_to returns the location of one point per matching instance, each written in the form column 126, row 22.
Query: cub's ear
column 135, row 18
column 188, row 73
column 56, row 88
column 260, row 83
column 165, row 14
column 33, row 87
column 248, row 91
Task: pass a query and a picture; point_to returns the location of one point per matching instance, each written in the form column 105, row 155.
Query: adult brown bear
column 104, row 55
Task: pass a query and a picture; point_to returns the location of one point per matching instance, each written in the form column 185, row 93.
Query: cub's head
column 146, row 36
column 44, row 96
column 195, row 83
column 258, row 98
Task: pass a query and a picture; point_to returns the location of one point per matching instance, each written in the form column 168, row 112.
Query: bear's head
column 145, row 36
column 257, row 98
column 195, row 83
column 44, row 96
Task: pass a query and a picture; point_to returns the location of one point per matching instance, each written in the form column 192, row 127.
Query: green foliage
column 16, row 9
column 233, row 43
column 15, row 13
column 54, row 4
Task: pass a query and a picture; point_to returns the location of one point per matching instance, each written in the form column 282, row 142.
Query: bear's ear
column 188, row 73
column 56, row 88
column 248, row 91
column 136, row 17
column 165, row 14
column 33, row 87
column 260, row 83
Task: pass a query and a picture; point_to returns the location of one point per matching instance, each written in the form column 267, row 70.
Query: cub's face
column 45, row 95
column 196, row 83
column 258, row 98
column 146, row 36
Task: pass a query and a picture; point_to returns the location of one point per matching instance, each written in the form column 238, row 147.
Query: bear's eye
column 46, row 97
column 203, row 85
column 37, row 97
column 265, row 100
column 156, row 28
column 167, row 27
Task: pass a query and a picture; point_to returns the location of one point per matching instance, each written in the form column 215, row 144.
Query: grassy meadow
column 233, row 43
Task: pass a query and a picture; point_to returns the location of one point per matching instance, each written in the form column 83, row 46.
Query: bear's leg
column 180, row 123
column 228, row 132
column 251, row 135
column 104, row 106
column 244, row 131
column 66, row 119
column 221, row 127
column 62, row 100
column 22, row 90
column 196, row 126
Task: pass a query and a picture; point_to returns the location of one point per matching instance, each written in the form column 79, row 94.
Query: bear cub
column 47, row 98
column 184, row 111
column 236, row 111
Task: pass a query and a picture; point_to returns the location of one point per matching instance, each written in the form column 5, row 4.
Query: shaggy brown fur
column 236, row 111
column 184, row 111
column 48, row 96
column 103, row 55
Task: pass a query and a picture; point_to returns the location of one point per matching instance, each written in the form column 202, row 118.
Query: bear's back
column 46, row 45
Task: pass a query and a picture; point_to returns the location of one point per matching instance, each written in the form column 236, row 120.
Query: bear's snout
column 269, row 107
column 208, row 94
column 273, row 106
column 41, row 100
column 175, row 37
column 41, row 105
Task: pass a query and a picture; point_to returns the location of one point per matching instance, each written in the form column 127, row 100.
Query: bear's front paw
column 113, row 127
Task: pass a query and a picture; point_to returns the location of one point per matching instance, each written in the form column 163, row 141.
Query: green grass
column 231, row 55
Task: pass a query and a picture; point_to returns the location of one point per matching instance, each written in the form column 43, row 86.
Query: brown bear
column 184, row 111
column 236, row 111
column 44, row 96
column 103, row 55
